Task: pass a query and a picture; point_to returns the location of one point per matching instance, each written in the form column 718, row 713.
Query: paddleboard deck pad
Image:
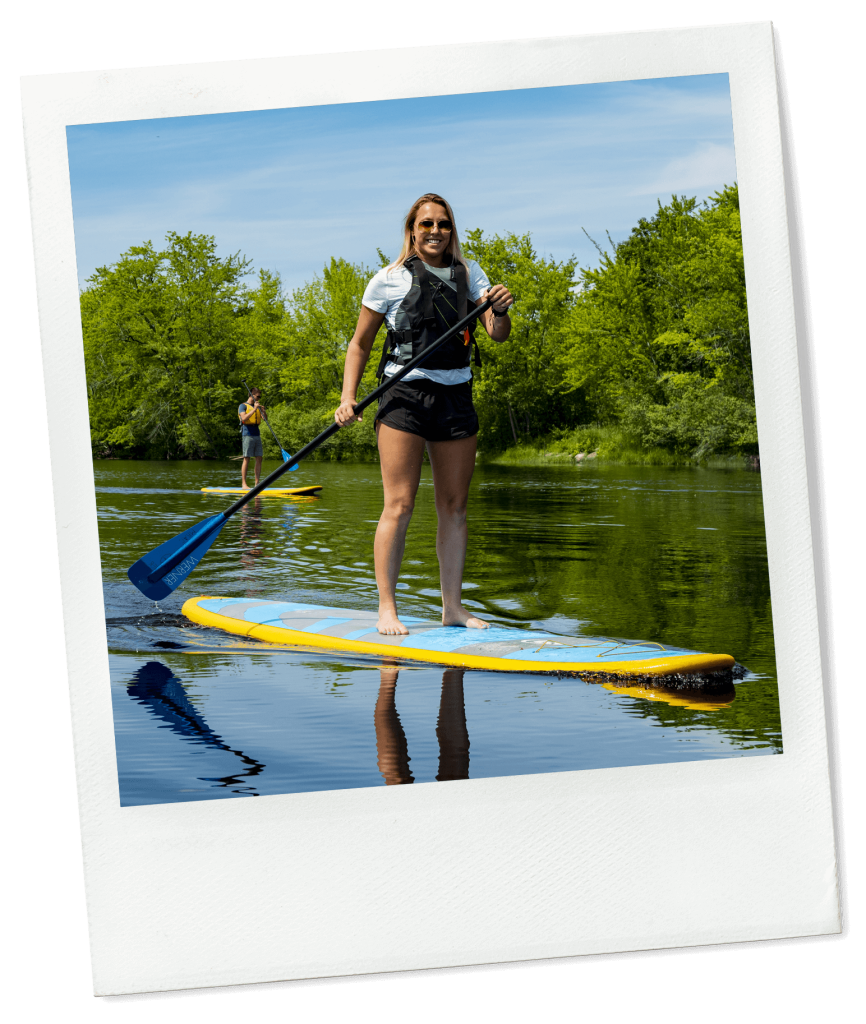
column 268, row 492
column 498, row 648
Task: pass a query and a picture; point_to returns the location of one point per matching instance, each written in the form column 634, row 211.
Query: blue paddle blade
column 286, row 457
column 161, row 571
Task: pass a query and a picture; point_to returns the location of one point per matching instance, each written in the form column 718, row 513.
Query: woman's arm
column 498, row 327
column 357, row 354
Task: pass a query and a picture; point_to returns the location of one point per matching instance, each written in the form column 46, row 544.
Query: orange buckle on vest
column 466, row 336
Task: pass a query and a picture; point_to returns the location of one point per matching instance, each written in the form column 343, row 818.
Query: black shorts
column 434, row 411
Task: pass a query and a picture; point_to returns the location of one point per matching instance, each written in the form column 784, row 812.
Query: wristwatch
column 504, row 312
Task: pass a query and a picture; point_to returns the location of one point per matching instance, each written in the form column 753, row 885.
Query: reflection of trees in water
column 451, row 731
column 291, row 519
column 653, row 578
column 253, row 526
column 752, row 720
column 165, row 698
column 659, row 576
column 251, row 547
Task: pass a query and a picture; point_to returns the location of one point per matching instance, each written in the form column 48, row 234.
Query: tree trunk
column 512, row 421
column 204, row 430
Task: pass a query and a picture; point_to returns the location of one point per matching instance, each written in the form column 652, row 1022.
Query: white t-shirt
column 386, row 291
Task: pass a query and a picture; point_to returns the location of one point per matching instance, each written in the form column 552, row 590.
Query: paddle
column 285, row 454
column 162, row 570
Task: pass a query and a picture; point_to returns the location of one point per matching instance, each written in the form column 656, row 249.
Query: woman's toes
column 390, row 625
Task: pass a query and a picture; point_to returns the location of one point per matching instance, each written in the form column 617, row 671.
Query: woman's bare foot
column 390, row 625
column 459, row 616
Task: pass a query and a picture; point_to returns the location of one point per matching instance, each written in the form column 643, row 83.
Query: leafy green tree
column 696, row 420
column 298, row 348
column 321, row 320
column 261, row 336
column 522, row 388
column 659, row 337
column 693, row 284
column 651, row 346
column 160, row 339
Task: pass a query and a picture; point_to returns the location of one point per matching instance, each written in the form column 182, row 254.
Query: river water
column 672, row 555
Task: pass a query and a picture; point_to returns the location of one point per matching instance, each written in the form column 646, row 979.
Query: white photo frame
column 370, row 880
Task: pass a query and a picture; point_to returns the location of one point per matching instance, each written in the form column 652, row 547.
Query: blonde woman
column 427, row 289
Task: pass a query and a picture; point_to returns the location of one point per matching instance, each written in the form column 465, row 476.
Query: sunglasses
column 429, row 225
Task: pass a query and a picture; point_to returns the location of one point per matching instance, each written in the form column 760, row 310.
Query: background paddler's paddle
column 286, row 455
column 162, row 570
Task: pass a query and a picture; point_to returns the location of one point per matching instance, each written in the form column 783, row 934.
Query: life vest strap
column 416, row 265
column 391, row 345
column 393, row 340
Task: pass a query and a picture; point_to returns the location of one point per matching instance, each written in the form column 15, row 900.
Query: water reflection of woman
column 424, row 292
column 391, row 745
column 451, row 728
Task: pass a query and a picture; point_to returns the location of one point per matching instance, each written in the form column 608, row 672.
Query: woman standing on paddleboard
column 424, row 292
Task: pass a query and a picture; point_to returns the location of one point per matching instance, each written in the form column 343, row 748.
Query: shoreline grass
column 586, row 445
column 611, row 445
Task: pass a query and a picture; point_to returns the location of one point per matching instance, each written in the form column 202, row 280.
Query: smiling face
column 432, row 230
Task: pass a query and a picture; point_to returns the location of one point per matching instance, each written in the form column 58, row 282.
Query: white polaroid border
column 357, row 881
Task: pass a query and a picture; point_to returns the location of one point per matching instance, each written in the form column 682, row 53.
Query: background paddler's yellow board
column 268, row 492
column 501, row 648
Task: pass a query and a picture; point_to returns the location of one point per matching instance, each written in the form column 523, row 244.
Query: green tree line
column 647, row 352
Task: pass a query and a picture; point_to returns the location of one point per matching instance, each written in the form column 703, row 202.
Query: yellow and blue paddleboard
column 268, row 492
column 500, row 648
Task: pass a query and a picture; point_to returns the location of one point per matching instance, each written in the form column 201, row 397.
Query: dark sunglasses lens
column 428, row 225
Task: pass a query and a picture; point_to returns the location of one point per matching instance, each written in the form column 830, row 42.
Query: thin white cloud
column 291, row 190
column 708, row 164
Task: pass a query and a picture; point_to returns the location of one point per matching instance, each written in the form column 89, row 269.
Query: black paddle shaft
column 367, row 400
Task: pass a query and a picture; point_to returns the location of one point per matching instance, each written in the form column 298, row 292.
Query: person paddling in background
column 251, row 415
column 426, row 290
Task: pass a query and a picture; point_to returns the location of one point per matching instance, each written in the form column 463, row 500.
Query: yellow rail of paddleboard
column 662, row 666
column 269, row 492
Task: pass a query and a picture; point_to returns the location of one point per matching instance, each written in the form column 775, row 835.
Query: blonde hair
column 409, row 223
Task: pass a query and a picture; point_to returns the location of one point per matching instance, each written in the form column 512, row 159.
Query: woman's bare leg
column 453, row 463
column 400, row 456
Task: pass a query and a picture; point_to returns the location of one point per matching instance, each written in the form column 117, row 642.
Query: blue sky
column 291, row 188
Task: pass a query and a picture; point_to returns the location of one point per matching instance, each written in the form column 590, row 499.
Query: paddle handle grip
column 328, row 432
